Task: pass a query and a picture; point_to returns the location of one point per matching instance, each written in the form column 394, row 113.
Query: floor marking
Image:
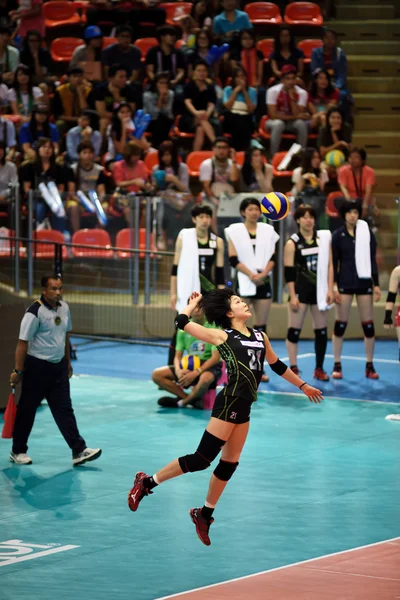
column 327, row 397
column 377, row 360
column 25, row 548
column 296, row 564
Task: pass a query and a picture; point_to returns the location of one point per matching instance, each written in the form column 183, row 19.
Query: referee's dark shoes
column 44, row 367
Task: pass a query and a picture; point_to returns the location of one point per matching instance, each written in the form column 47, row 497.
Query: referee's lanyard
column 358, row 184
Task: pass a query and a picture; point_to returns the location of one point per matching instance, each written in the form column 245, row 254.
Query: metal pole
column 136, row 257
column 147, row 255
column 130, row 258
column 17, row 235
column 281, row 243
column 30, row 245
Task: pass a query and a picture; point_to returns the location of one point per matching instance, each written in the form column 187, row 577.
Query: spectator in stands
column 120, row 131
column 29, row 15
column 8, row 137
column 240, row 102
column 201, row 15
column 170, row 179
column 256, row 174
column 70, row 99
column 287, row 109
column 219, row 174
column 357, row 182
column 4, row 102
column 333, row 59
column 203, row 43
column 322, row 97
column 230, row 20
column 88, row 56
column 110, row 94
column 83, row 132
column 200, row 100
column 9, row 56
column 122, row 53
column 166, row 58
column 23, row 95
column 310, row 173
column 336, row 135
column 5, row 7
column 286, row 53
column 34, row 56
column 45, row 169
column 159, row 104
column 131, row 11
column 249, row 58
column 8, row 175
column 130, row 175
column 37, row 128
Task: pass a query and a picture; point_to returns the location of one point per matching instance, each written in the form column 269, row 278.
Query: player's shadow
column 59, row 492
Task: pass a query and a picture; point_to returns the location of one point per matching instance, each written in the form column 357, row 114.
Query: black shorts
column 231, row 409
column 306, row 291
column 216, row 371
column 263, row 292
column 357, row 291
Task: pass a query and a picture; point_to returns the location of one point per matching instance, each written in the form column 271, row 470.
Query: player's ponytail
column 216, row 304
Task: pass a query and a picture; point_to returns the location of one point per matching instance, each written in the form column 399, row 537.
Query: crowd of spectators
column 78, row 128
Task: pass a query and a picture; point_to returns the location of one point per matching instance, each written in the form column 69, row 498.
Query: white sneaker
column 85, row 456
column 20, row 459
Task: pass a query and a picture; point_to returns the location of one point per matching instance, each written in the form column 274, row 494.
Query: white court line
column 296, row 564
column 326, row 398
column 377, row 360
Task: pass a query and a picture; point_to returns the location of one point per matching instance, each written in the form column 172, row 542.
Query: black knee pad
column 321, row 333
column 208, row 450
column 369, row 329
column 224, row 470
column 293, row 335
column 340, row 328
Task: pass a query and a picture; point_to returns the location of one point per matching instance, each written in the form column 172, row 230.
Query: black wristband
column 18, row 372
column 391, row 297
column 181, row 321
column 233, row 261
column 290, row 274
column 304, row 383
column 388, row 318
column 219, row 276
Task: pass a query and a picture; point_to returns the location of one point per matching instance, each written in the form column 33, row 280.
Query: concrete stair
column 380, row 85
column 370, row 47
column 365, row 11
column 376, row 66
column 371, row 29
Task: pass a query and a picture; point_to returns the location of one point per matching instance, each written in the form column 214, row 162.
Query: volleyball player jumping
column 244, row 351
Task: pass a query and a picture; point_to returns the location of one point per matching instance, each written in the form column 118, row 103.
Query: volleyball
column 335, row 158
column 275, row 206
column 190, row 362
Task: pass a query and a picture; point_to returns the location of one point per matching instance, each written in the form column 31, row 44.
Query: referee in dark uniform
column 42, row 363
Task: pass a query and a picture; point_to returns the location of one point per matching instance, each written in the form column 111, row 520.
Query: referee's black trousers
column 43, row 379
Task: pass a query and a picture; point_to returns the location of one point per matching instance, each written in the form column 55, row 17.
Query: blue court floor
column 312, row 480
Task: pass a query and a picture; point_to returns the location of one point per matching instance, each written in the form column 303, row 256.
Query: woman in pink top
column 130, row 175
column 357, row 181
column 30, row 16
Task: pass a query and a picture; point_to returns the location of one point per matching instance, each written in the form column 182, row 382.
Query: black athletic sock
column 207, row 513
column 149, row 483
column 369, row 365
column 293, row 367
column 320, row 343
column 337, row 366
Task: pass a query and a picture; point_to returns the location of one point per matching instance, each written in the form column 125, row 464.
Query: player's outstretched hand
column 194, row 299
column 312, row 393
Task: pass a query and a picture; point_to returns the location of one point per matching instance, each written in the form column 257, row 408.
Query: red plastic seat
column 240, row 157
column 58, row 13
column 175, row 9
column 176, row 132
column 151, row 160
column 180, row 44
column 266, row 47
column 194, row 160
column 330, row 208
column 144, row 45
column 62, row 49
column 108, row 41
column 47, row 250
column 264, row 133
column 303, row 13
column 263, row 13
column 276, row 160
column 126, row 239
column 308, row 46
column 92, row 237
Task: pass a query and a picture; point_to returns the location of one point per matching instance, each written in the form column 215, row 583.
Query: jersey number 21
column 255, row 360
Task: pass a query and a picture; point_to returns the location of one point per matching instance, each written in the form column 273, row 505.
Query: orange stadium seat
column 263, row 13
column 47, row 250
column 266, row 135
column 330, row 208
column 58, row 13
column 303, row 13
column 308, row 46
column 144, row 45
column 276, row 160
column 176, row 9
column 176, row 132
column 266, row 47
column 151, row 160
column 194, row 160
column 126, row 239
column 62, row 49
column 92, row 237
column 108, row 41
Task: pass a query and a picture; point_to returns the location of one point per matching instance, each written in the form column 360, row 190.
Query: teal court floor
column 313, row 480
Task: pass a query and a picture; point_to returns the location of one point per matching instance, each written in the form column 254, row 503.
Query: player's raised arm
column 279, row 367
column 205, row 334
